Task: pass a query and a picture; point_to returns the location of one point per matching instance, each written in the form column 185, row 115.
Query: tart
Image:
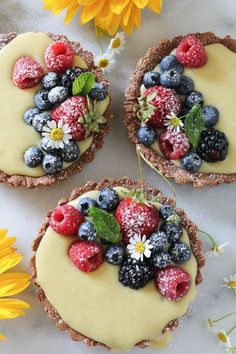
column 117, row 264
column 55, row 108
column 179, row 109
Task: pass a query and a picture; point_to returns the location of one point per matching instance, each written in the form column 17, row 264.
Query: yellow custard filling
column 97, row 305
column 15, row 135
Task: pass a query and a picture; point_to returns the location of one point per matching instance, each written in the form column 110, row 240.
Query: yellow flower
column 10, row 283
column 108, row 15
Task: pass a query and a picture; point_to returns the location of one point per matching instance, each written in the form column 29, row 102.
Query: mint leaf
column 105, row 225
column 83, row 84
column 194, row 124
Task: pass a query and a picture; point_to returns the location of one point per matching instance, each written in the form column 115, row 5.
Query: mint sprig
column 194, row 124
column 105, row 225
column 83, row 84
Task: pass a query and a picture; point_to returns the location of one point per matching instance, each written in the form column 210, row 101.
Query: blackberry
column 69, row 77
column 135, row 274
column 213, row 145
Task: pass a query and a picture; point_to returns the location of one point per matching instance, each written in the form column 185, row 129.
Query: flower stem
column 214, row 244
column 103, row 32
column 231, row 330
column 223, row 317
column 98, row 41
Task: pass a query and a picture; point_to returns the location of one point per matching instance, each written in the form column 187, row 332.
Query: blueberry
column 33, row 157
column 87, row 232
column 52, row 164
column 51, row 80
column 173, row 231
column 70, row 152
column 58, row 94
column 191, row 162
column 166, row 210
column 49, row 150
column 99, row 92
column 108, row 199
column 195, row 97
column 85, row 204
column 161, row 260
column 115, row 254
column 146, row 135
column 211, row 116
column 186, row 86
column 40, row 120
column 170, row 78
column 29, row 115
column 180, row 253
column 41, row 100
column 159, row 241
column 151, row 78
column 171, row 62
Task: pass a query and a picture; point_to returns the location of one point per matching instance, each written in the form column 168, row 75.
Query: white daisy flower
column 222, row 336
column 139, row 247
column 230, row 281
column 105, row 62
column 231, row 350
column 117, row 44
column 216, row 250
column 173, row 123
column 55, row 135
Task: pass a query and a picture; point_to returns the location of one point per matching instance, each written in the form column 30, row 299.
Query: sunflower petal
column 12, row 308
column 117, row 6
column 13, row 283
column 155, row 5
column 9, row 261
column 140, row 3
column 89, row 12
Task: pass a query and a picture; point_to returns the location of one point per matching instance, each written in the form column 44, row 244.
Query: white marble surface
column 214, row 210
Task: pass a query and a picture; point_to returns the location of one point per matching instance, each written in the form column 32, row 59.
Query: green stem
column 140, row 167
column 209, row 236
column 98, row 42
column 103, row 32
column 234, row 291
column 231, row 330
column 223, row 317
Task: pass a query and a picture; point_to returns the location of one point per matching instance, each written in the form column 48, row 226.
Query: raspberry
column 59, row 56
column 191, row 52
column 69, row 112
column 173, row 145
column 167, row 101
column 172, row 282
column 66, row 219
column 87, row 256
column 27, row 73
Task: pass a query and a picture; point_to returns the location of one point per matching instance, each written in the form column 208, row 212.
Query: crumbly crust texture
column 98, row 138
column 190, row 227
column 148, row 62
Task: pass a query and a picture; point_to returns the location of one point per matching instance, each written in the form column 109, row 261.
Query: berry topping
column 166, row 211
column 108, row 199
column 86, row 256
column 172, row 282
column 85, row 204
column 99, row 92
column 87, row 232
column 59, row 56
column 191, row 52
column 151, row 78
column 211, row 116
column 213, row 145
column 170, row 78
column 159, row 241
column 51, row 80
column 135, row 274
column 52, row 164
column 70, row 152
column 40, row 120
column 33, row 157
column 173, row 144
column 171, row 62
column 161, row 260
column 41, row 100
column 58, row 94
column 27, row 73
column 180, row 253
column 146, row 135
column 69, row 77
column 195, row 97
column 65, row 220
column 115, row 254
column 173, row 231
column 29, row 115
column 186, row 86
column 191, row 162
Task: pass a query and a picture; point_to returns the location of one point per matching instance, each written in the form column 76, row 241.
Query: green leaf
column 105, row 225
column 83, row 84
column 194, row 124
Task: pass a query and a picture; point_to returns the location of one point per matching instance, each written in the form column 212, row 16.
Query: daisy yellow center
column 222, row 337
column 232, row 284
column 103, row 63
column 116, row 43
column 56, row 134
column 140, row 247
column 175, row 121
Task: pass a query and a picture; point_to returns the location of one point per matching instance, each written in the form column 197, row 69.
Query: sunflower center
column 175, row 121
column 139, row 247
column 222, row 337
column 116, row 43
column 56, row 134
column 103, row 63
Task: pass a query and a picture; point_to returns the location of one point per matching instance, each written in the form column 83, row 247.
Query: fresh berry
column 70, row 152
column 51, row 80
column 86, row 256
column 173, row 231
column 173, row 145
column 29, row 115
column 87, row 232
column 115, row 254
column 99, row 92
column 170, row 78
column 211, row 116
column 146, row 135
column 195, row 97
column 159, row 241
column 108, row 199
column 161, row 260
column 136, row 218
column 171, row 62
column 59, row 56
column 191, row 162
column 151, row 78
column 166, row 211
column 191, row 52
column 41, row 100
column 50, row 150
column 69, row 77
column 52, row 164
column 27, row 73
column 172, row 282
column 40, row 120
column 69, row 112
column 33, row 157
column 58, row 94
column 186, row 86
column 180, row 253
column 167, row 101
column 66, row 220
column 213, row 145
column 135, row 274
column 85, row 204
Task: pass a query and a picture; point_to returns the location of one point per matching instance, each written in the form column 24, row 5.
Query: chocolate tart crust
column 98, row 138
column 190, row 227
column 165, row 166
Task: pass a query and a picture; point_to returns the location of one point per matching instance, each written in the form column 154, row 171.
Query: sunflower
column 10, row 283
column 108, row 15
